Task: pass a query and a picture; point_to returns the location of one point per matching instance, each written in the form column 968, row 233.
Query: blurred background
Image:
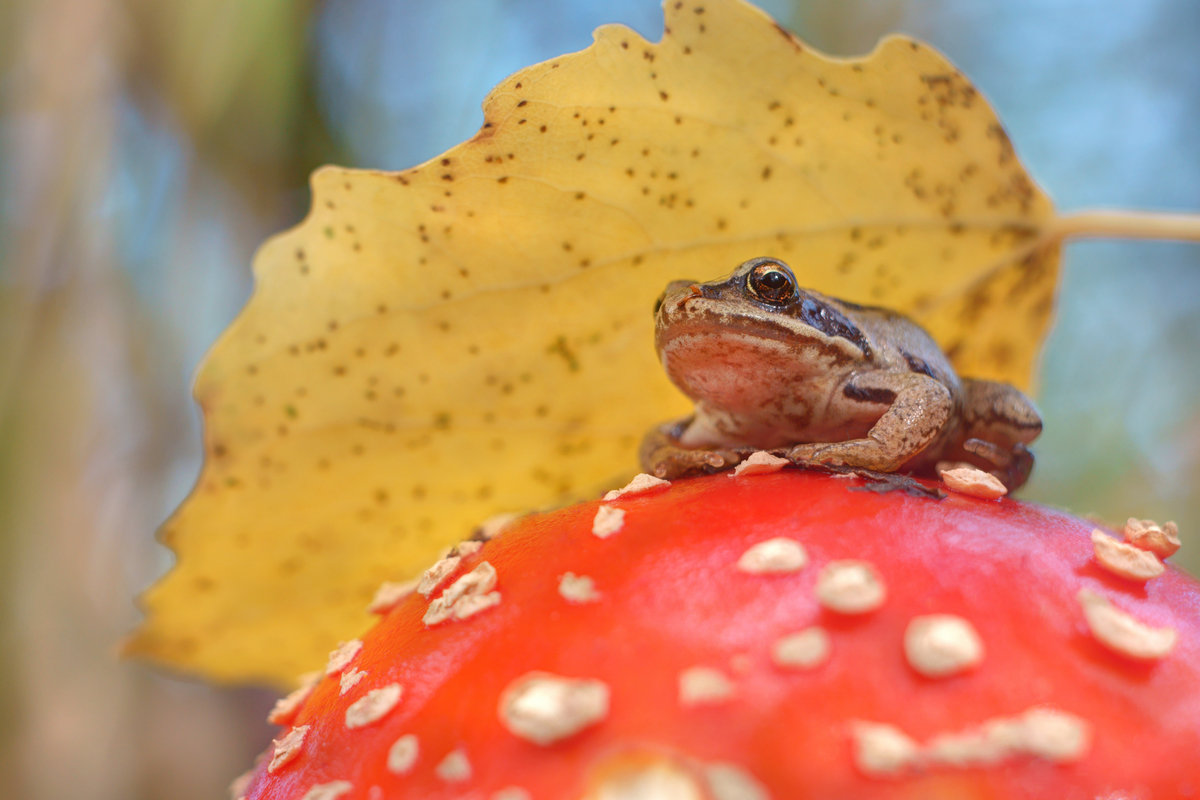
column 147, row 148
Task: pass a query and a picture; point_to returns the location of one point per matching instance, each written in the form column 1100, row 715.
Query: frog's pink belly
column 785, row 398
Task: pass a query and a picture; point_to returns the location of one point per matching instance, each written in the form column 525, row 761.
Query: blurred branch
column 237, row 79
column 1127, row 225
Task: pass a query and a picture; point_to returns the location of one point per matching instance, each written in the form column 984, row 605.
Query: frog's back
column 899, row 343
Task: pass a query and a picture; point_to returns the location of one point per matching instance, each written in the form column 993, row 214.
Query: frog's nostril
column 676, row 287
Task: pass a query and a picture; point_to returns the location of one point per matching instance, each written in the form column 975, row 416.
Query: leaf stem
column 1125, row 225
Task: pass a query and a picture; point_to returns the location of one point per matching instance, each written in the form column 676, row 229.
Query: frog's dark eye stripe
column 831, row 322
column 771, row 283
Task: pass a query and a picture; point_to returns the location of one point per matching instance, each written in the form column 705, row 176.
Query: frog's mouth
column 693, row 315
column 691, row 308
column 711, row 324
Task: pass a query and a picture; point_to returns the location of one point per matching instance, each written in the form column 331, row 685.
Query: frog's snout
column 680, row 291
column 658, row 303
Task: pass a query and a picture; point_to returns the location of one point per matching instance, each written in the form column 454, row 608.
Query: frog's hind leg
column 999, row 421
column 998, row 413
column 663, row 457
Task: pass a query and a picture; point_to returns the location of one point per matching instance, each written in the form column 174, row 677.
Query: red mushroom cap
column 779, row 635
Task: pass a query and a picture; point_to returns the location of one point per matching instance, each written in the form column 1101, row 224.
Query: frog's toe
column 990, row 452
column 1011, row 466
column 717, row 459
column 806, row 454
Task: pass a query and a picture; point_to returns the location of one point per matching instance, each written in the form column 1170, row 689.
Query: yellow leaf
column 474, row 335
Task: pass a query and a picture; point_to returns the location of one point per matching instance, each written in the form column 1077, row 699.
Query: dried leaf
column 474, row 335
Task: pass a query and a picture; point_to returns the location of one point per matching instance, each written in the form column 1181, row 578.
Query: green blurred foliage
column 238, row 78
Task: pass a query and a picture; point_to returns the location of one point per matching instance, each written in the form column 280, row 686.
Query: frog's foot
column 676, row 462
column 1011, row 465
column 663, row 457
column 808, row 455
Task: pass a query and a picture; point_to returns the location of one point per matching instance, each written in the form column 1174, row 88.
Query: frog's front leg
column 663, row 456
column 918, row 409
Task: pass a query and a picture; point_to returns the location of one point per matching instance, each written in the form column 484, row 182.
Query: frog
column 822, row 382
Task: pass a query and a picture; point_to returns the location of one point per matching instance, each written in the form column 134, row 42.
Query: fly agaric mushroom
column 760, row 636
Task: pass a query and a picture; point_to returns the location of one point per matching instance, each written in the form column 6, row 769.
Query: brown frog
column 775, row 367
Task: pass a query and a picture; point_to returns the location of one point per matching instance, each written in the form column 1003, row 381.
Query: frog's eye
column 771, row 283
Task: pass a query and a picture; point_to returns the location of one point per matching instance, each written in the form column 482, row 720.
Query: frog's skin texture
column 818, row 380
